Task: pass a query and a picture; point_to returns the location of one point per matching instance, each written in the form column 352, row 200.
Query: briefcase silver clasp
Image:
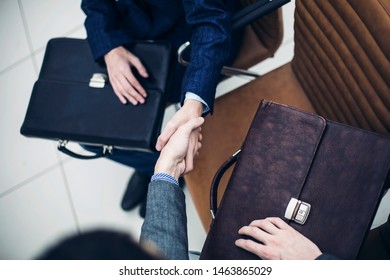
column 297, row 211
column 98, row 80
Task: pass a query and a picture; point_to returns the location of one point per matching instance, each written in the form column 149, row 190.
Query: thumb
column 192, row 124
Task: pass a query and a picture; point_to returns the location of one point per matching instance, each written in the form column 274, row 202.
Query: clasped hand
column 177, row 156
column 183, row 131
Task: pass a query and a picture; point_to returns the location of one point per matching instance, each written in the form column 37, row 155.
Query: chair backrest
column 268, row 29
column 341, row 59
column 261, row 38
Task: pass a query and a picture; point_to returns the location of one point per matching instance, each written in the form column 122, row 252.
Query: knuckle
column 267, row 253
column 247, row 244
column 274, row 219
column 163, row 138
column 132, row 79
column 170, row 125
column 252, row 230
column 262, row 222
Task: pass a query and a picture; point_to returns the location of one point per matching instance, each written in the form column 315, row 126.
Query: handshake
column 176, row 158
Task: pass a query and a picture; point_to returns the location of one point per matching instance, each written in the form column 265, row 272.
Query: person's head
column 97, row 245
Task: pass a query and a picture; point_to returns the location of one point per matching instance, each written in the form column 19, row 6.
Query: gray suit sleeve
column 165, row 222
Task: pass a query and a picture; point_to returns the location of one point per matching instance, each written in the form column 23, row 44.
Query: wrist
column 164, row 177
column 113, row 52
column 170, row 168
column 193, row 107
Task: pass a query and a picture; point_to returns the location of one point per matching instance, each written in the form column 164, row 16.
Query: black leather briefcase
column 74, row 101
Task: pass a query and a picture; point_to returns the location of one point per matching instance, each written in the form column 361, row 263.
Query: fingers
column 254, row 232
column 190, row 110
column 270, row 225
column 189, row 162
column 162, row 140
column 263, row 230
column 141, row 70
column 122, row 99
column 187, row 133
column 189, row 159
column 193, row 147
column 192, row 125
column 277, row 240
column 278, row 222
column 138, row 65
column 125, row 85
column 250, row 246
column 176, row 158
column 124, row 91
column 173, row 125
column 258, row 249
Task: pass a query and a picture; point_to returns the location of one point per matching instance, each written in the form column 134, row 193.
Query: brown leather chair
column 262, row 34
column 340, row 70
column 260, row 39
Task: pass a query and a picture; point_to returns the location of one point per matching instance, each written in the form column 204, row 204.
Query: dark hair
column 97, row 245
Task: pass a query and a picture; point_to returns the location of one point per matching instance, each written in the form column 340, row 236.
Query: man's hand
column 119, row 62
column 177, row 156
column 191, row 109
column 277, row 241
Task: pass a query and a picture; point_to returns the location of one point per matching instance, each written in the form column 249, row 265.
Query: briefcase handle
column 106, row 150
column 215, row 183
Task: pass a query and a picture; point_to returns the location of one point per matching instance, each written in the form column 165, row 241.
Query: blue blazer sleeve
column 165, row 223
column 210, row 22
column 103, row 26
column 110, row 24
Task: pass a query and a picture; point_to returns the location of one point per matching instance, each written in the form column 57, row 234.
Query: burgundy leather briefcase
column 325, row 179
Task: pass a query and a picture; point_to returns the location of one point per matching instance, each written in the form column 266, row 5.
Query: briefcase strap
column 106, row 150
column 217, row 178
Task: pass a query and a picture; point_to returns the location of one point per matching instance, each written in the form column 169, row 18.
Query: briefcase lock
column 297, row 211
column 98, row 80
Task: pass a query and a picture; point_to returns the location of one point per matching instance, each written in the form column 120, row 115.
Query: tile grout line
column 60, row 163
column 68, row 192
column 28, row 37
column 74, row 29
column 33, row 53
column 30, row 179
column 10, row 67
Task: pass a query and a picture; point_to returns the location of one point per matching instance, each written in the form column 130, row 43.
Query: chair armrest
column 227, row 71
column 241, row 19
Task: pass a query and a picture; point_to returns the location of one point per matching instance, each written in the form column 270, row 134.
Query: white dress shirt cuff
column 193, row 96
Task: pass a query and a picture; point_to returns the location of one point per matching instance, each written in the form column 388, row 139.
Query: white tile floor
column 45, row 195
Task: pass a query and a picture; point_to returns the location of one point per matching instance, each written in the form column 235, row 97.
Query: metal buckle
column 107, row 149
column 98, row 80
column 62, row 143
column 297, row 211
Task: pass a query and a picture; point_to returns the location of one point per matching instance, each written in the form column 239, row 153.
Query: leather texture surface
column 340, row 170
column 341, row 59
column 63, row 106
column 260, row 39
column 340, row 70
